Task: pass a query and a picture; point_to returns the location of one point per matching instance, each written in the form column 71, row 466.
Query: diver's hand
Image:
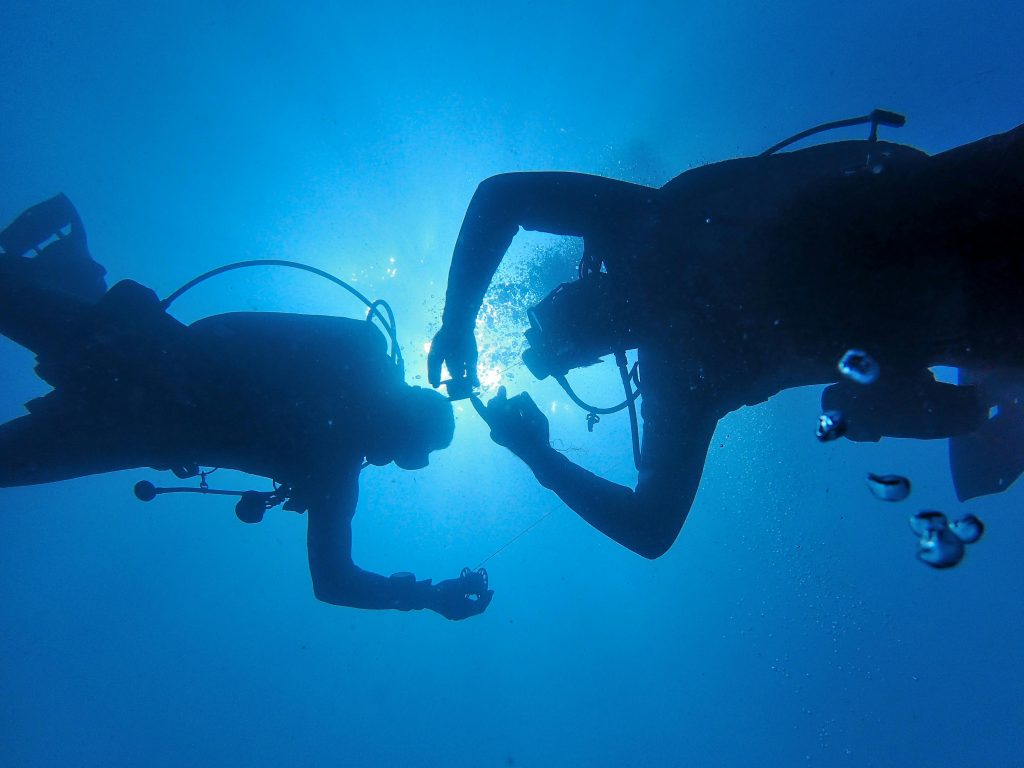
column 460, row 598
column 456, row 349
column 517, row 423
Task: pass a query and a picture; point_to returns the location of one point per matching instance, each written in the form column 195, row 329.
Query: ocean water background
column 791, row 623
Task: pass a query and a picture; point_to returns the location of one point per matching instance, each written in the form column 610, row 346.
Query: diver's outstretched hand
column 457, row 350
column 516, row 423
column 460, row 598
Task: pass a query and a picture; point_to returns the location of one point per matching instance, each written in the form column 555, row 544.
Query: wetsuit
column 291, row 397
column 754, row 275
column 297, row 398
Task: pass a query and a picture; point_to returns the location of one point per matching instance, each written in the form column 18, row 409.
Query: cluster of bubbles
column 529, row 271
column 941, row 544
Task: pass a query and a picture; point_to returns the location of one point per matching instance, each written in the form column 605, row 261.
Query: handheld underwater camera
column 575, row 325
column 474, row 582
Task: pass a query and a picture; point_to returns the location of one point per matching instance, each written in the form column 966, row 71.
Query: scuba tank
column 252, row 505
column 373, row 308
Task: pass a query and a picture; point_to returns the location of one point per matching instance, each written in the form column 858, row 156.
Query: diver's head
column 418, row 422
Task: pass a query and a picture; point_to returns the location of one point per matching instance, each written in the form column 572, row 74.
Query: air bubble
column 831, row 426
column 968, row 529
column 928, row 521
column 857, row 365
column 888, row 487
column 940, row 549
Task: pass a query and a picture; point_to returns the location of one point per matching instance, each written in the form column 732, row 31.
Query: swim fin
column 991, row 458
column 51, row 235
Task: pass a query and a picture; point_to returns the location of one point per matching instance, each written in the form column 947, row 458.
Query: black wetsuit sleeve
column 336, row 578
column 677, row 429
column 559, row 203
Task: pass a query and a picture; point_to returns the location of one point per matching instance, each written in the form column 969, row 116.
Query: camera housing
column 575, row 325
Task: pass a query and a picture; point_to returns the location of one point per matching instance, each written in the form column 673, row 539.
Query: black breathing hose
column 373, row 307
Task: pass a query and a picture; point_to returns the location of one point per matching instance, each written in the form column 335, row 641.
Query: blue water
column 791, row 624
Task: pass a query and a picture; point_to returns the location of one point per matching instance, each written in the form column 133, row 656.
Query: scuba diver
column 301, row 399
column 742, row 278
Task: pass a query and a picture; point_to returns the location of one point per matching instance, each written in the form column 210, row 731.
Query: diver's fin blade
column 51, row 235
column 41, row 223
column 991, row 458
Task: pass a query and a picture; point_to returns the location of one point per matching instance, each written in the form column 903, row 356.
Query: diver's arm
column 643, row 521
column 559, row 203
column 339, row 581
column 646, row 520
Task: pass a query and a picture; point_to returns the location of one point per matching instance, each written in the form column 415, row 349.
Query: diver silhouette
column 300, row 399
column 742, row 278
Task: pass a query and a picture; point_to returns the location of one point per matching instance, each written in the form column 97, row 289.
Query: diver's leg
column 1000, row 155
column 38, row 319
column 949, row 239
column 977, row 192
column 47, row 276
column 984, row 182
column 967, row 199
column 992, row 172
column 52, row 235
column 35, row 449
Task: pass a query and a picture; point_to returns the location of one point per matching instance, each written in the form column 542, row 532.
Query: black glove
column 457, row 350
column 463, row 597
column 517, row 423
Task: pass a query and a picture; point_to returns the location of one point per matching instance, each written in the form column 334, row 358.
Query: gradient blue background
column 790, row 625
